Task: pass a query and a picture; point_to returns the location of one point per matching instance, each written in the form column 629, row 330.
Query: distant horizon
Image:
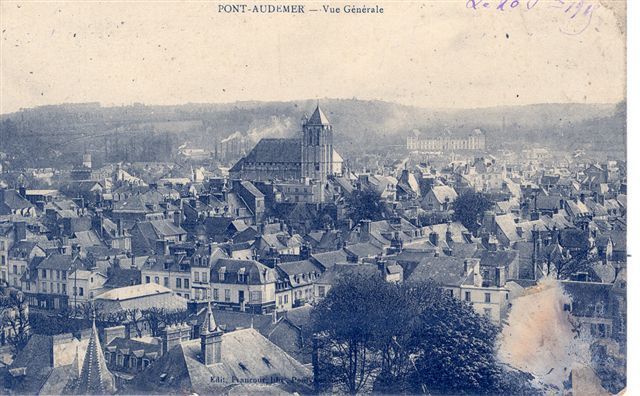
column 320, row 100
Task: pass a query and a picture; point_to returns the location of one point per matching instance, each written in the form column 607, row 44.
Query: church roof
column 318, row 118
column 272, row 150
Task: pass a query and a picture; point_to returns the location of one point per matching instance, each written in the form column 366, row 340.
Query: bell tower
column 317, row 147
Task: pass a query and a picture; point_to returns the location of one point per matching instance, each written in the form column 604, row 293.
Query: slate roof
column 502, row 258
column 448, row 271
column 13, row 201
column 329, row 259
column 442, row 193
column 318, row 118
column 257, row 273
column 247, row 356
column 271, row 151
column 339, row 271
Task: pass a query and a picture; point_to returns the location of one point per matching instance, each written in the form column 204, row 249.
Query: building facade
column 476, row 140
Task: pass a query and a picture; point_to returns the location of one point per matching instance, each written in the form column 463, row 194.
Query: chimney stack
column 170, row 338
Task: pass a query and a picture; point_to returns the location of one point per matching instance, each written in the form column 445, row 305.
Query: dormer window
column 242, row 277
column 221, row 273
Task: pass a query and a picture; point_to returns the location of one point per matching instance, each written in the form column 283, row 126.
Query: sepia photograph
column 314, row 197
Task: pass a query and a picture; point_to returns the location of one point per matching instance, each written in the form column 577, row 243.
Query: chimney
column 22, row 190
column 162, row 247
column 274, row 317
column 365, row 227
column 62, row 345
column 170, row 338
column 434, row 238
column 20, row 228
column 500, row 277
column 177, row 218
column 111, row 333
column 477, row 277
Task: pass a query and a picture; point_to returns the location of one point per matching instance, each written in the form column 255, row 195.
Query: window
column 186, row 295
column 196, row 277
column 64, row 276
column 321, row 291
column 166, row 281
column 157, row 280
column 487, row 312
column 186, row 283
column 215, row 294
column 147, row 279
column 179, row 283
column 227, row 295
column 487, row 297
column 15, row 269
column 204, row 277
column 44, row 274
column 81, row 291
column 279, row 300
column 64, row 288
column 286, row 299
column 255, row 297
column 467, row 296
column 450, row 292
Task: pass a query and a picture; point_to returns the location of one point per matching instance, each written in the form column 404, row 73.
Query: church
column 308, row 157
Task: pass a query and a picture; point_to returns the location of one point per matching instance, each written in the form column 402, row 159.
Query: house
column 12, row 203
column 53, row 282
column 462, row 279
column 439, row 198
column 129, row 355
column 170, row 271
column 242, row 361
column 201, row 262
column 20, row 255
column 243, row 285
column 295, row 283
column 155, row 236
column 84, row 285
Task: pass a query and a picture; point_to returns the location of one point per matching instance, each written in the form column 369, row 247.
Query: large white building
column 476, row 140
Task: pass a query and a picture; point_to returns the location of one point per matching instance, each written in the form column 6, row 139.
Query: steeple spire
column 209, row 324
column 318, row 117
column 95, row 378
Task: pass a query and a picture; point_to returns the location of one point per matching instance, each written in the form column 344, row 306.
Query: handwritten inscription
column 577, row 14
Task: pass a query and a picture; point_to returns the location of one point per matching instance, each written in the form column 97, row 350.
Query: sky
column 436, row 54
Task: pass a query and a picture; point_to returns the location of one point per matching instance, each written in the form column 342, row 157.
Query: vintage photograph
column 313, row 198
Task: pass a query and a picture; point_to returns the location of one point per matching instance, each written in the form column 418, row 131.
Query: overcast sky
column 435, row 54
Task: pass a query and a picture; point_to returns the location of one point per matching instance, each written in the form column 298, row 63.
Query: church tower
column 317, row 147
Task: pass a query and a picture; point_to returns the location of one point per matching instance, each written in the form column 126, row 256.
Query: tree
column 342, row 322
column 14, row 315
column 468, row 207
column 371, row 335
column 366, row 204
